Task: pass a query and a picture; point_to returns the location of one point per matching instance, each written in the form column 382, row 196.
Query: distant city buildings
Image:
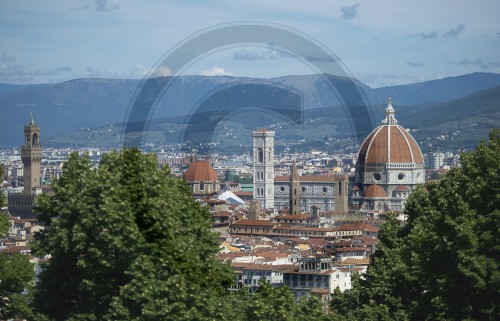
column 304, row 220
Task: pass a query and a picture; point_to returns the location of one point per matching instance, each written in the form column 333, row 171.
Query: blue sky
column 380, row 42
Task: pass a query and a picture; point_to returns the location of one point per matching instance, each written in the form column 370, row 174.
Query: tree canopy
column 16, row 276
column 127, row 242
column 444, row 263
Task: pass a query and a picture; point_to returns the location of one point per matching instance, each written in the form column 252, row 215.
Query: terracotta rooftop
column 201, row 171
column 389, row 143
column 243, row 193
column 353, row 261
column 350, row 249
column 356, row 227
column 402, row 188
column 375, row 191
column 299, row 228
column 253, row 223
column 293, row 217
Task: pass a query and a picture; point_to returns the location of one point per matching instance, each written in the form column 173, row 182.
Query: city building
column 202, row 179
column 435, row 160
column 322, row 191
column 390, row 165
column 263, row 167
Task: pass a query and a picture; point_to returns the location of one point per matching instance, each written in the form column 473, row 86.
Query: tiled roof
column 389, row 143
column 253, row 223
column 353, row 261
column 243, row 193
column 375, row 191
column 350, row 249
column 356, row 227
column 293, row 217
column 402, row 188
column 201, row 171
column 299, row 228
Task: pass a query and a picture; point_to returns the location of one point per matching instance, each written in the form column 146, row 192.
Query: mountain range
column 81, row 111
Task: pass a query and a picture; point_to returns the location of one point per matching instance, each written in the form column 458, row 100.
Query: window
column 35, row 139
column 260, row 156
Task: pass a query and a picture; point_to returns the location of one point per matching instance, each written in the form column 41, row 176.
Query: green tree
column 16, row 283
column 444, row 263
column 273, row 304
column 270, row 304
column 127, row 242
column 2, row 195
column 16, row 276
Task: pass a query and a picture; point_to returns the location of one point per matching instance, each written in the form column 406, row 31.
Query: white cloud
column 258, row 54
column 216, row 71
column 162, row 71
column 13, row 72
column 477, row 62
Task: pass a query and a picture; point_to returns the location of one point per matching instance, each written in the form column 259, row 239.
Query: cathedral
column 390, row 165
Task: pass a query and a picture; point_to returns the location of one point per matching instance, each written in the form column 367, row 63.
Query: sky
column 379, row 42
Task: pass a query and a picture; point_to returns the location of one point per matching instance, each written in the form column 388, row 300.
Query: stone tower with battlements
column 31, row 156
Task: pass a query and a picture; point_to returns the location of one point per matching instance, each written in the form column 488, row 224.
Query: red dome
column 201, row 171
column 389, row 143
column 375, row 191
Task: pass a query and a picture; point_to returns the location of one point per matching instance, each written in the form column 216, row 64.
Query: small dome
column 355, row 188
column 201, row 171
column 389, row 143
column 375, row 191
column 402, row 188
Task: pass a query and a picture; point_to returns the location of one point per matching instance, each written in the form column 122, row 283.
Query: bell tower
column 263, row 167
column 31, row 156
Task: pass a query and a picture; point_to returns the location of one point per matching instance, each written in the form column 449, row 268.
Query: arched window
column 35, row 139
column 202, row 186
column 260, row 154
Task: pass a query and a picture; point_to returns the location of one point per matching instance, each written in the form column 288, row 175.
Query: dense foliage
column 444, row 263
column 16, row 276
column 2, row 195
column 127, row 242
column 17, row 279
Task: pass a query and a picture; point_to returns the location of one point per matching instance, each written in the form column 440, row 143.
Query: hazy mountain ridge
column 440, row 90
column 86, row 103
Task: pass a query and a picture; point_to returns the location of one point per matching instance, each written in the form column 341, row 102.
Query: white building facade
column 263, row 167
